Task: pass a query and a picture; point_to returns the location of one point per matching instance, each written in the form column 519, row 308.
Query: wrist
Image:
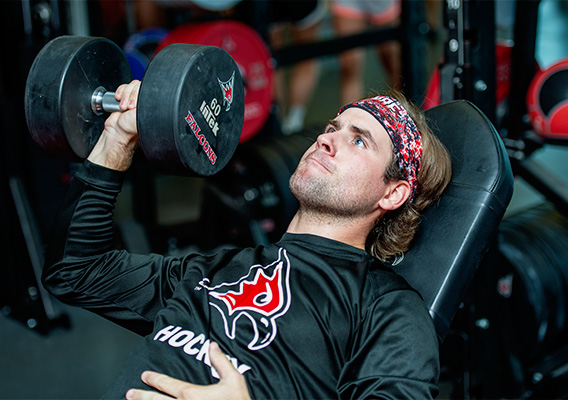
column 112, row 154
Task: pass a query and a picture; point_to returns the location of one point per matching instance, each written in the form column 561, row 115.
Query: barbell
column 190, row 108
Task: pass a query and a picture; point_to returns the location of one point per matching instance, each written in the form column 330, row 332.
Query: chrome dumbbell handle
column 103, row 101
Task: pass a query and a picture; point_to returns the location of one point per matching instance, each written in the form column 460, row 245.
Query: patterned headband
column 402, row 130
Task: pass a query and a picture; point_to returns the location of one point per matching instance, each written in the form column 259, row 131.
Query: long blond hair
column 393, row 233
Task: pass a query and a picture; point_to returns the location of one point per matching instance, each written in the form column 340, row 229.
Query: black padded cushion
column 455, row 233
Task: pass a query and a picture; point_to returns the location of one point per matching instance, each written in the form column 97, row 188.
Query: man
column 312, row 316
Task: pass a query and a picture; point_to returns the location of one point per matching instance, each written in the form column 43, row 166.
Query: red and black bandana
column 402, row 130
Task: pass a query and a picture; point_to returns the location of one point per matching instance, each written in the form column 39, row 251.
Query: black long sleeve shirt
column 306, row 317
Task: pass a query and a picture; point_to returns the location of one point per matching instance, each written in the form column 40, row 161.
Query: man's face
column 342, row 172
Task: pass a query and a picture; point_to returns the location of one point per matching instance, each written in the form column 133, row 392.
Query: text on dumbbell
column 210, row 114
column 200, row 137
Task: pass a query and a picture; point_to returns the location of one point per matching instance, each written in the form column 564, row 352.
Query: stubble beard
column 322, row 196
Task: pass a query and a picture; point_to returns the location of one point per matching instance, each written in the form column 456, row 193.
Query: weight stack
column 520, row 315
column 249, row 202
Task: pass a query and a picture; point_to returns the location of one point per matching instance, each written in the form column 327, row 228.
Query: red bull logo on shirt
column 262, row 296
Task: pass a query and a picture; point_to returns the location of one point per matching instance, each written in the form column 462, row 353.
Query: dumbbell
column 190, row 108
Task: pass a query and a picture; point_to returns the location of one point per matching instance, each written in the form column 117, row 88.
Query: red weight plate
column 433, row 95
column 559, row 120
column 547, row 101
column 251, row 55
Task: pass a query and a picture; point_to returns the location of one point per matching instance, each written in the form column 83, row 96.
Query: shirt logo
column 262, row 296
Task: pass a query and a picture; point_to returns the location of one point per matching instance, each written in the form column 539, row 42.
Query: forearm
column 108, row 154
column 82, row 268
column 84, row 225
column 83, row 231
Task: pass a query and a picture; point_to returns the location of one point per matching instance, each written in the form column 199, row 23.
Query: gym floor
column 80, row 362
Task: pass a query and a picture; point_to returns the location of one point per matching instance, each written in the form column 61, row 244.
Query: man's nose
column 327, row 142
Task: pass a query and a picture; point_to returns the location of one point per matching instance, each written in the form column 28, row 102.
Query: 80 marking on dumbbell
column 68, row 94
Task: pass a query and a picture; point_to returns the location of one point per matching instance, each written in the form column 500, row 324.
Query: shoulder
column 383, row 279
column 391, row 300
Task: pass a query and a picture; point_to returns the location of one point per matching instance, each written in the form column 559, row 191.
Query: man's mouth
column 321, row 161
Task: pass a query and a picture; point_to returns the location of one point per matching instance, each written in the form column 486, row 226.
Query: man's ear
column 395, row 195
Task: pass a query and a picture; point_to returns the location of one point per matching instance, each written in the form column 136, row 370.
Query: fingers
column 135, row 394
column 164, row 383
column 220, row 361
column 232, row 381
column 232, row 384
column 127, row 94
column 170, row 386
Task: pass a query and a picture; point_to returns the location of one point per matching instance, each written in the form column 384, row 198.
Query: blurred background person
column 354, row 16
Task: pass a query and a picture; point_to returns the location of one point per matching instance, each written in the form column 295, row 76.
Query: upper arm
column 128, row 289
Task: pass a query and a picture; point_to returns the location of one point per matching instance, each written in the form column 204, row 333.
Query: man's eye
column 329, row 129
column 359, row 142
